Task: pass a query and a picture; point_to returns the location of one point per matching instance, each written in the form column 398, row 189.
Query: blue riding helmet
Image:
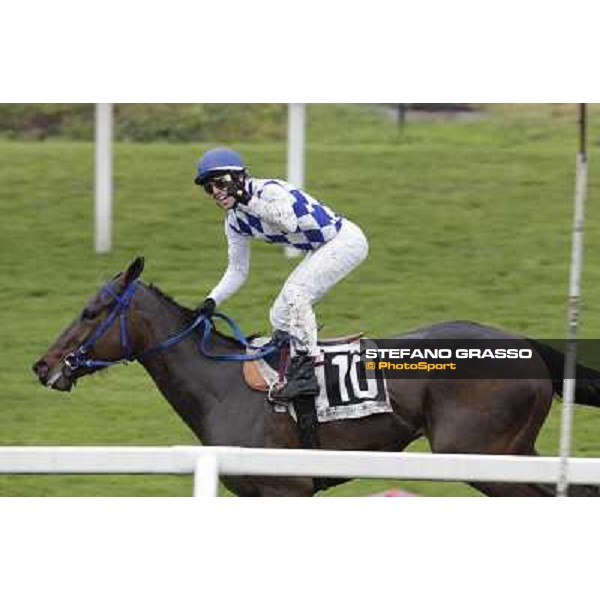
column 218, row 159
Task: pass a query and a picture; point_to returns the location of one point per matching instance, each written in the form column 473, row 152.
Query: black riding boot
column 301, row 379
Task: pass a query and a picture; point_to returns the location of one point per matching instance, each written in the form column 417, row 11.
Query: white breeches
column 319, row 271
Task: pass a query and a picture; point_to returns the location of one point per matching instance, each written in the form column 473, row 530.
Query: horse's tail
column 587, row 390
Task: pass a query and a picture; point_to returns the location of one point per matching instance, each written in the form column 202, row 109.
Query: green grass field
column 466, row 220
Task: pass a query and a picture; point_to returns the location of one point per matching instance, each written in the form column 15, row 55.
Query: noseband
column 81, row 357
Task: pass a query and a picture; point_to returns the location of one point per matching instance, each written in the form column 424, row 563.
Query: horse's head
column 100, row 333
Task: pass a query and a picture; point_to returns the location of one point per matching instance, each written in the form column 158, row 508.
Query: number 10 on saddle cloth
column 346, row 392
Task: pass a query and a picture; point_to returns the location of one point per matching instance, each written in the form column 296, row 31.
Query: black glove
column 207, row 308
column 279, row 338
column 240, row 194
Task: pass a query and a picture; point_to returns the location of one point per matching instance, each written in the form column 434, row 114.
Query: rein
column 80, row 357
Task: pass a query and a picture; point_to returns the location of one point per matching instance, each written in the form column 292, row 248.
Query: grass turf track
column 466, row 220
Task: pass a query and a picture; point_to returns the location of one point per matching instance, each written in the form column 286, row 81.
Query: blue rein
column 80, row 358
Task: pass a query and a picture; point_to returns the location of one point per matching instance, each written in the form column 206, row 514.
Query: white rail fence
column 207, row 463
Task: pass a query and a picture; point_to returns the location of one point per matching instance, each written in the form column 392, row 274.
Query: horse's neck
column 187, row 379
column 199, row 389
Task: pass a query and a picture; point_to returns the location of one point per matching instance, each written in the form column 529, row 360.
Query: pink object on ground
column 394, row 494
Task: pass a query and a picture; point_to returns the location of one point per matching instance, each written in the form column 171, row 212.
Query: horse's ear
column 134, row 270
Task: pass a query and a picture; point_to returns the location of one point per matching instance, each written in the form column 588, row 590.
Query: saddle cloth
column 345, row 390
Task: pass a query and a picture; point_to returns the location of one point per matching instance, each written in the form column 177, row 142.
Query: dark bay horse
column 127, row 319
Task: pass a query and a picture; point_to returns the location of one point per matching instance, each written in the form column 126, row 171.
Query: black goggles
column 222, row 182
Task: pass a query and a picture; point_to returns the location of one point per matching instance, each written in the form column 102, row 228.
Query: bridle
column 80, row 358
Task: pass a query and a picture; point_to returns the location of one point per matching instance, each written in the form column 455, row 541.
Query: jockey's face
column 219, row 188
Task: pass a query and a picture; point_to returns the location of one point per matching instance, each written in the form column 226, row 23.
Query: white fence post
column 103, row 179
column 296, row 137
column 206, row 476
column 295, row 155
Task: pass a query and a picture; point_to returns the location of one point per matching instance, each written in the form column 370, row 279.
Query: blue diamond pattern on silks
column 320, row 215
column 254, row 222
column 244, row 229
column 314, row 235
column 274, row 239
column 301, row 205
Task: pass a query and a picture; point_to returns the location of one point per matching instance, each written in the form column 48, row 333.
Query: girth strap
column 306, row 414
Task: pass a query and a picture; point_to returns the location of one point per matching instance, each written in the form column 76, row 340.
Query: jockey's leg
column 292, row 312
column 329, row 264
column 279, row 315
column 307, row 284
column 302, row 324
column 316, row 274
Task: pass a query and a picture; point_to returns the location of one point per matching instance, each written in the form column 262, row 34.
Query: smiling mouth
column 226, row 202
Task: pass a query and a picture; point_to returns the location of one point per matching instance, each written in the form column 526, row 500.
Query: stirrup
column 294, row 388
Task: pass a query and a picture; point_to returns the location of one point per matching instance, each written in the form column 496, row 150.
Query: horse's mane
column 187, row 312
column 170, row 300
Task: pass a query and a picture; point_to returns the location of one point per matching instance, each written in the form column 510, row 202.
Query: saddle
column 255, row 376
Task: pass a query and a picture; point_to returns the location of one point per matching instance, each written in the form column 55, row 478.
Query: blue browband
column 80, row 358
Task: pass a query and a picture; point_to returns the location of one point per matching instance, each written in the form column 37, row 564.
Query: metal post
column 573, row 306
column 206, row 477
column 103, row 188
column 295, row 157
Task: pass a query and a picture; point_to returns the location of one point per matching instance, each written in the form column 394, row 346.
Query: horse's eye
column 88, row 315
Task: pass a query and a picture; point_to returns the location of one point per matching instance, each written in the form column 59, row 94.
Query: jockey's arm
column 275, row 206
column 238, row 253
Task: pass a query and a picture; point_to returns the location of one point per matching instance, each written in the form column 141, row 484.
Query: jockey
column 276, row 212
